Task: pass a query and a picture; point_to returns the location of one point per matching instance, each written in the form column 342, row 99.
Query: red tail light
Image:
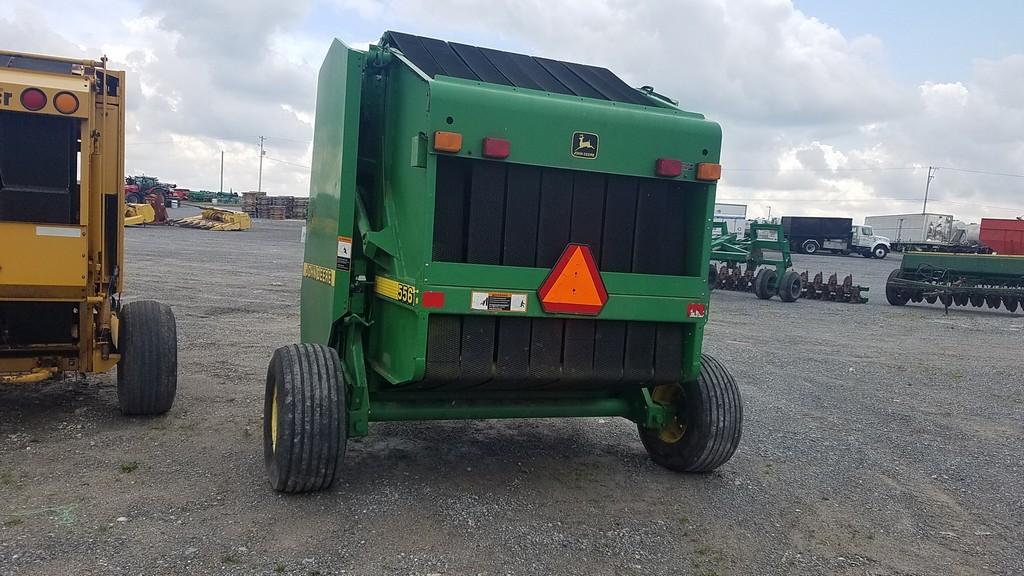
column 33, row 99
column 496, row 148
column 668, row 167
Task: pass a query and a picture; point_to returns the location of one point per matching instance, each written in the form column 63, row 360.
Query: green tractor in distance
column 494, row 235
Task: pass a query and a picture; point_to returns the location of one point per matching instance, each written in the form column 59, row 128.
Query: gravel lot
column 878, row 440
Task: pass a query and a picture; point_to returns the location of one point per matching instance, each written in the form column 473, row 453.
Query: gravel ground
column 878, row 440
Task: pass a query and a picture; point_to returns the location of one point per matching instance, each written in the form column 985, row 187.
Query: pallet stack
column 260, row 205
column 300, row 208
column 250, row 202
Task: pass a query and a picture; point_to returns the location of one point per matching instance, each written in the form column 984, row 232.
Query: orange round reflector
column 33, row 99
column 66, row 103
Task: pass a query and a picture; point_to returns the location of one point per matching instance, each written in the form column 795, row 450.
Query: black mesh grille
column 507, row 353
column 434, row 57
column 516, row 215
column 38, row 164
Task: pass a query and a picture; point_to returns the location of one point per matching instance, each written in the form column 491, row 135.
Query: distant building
column 734, row 216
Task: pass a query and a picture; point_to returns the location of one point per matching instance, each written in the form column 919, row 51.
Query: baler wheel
column 894, row 295
column 708, row 425
column 304, row 418
column 147, row 373
column 790, row 286
column 763, row 283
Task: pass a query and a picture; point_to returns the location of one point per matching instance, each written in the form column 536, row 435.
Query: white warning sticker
column 344, row 253
column 59, row 231
column 499, row 301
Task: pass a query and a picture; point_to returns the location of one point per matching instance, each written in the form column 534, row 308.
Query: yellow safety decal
column 318, row 273
column 395, row 290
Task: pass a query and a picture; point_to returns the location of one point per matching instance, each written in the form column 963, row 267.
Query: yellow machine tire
column 304, row 418
column 707, row 430
column 147, row 373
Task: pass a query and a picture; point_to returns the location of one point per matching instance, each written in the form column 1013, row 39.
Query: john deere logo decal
column 584, row 145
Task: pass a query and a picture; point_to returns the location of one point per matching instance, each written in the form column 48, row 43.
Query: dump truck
column 495, row 235
column 811, row 234
column 62, row 236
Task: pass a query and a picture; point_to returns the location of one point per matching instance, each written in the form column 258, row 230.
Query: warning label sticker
column 498, row 301
column 344, row 253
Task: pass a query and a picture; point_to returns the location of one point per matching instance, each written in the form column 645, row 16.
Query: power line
column 985, row 172
column 872, row 169
column 287, row 162
column 875, row 169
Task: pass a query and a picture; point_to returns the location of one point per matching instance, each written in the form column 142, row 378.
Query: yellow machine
column 139, row 214
column 62, row 235
column 217, row 219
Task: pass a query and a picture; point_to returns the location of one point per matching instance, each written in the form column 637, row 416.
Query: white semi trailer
column 928, row 232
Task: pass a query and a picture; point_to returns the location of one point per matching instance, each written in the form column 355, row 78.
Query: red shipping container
column 1003, row 236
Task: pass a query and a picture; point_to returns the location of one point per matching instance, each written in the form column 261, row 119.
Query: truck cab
column 867, row 244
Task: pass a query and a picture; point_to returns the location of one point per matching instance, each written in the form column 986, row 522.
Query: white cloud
column 814, row 117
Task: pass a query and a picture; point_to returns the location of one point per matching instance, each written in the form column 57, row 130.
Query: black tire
column 764, row 282
column 790, row 286
column 304, row 419
column 712, row 277
column 893, row 295
column 133, row 198
column 147, row 373
column 931, row 298
column 960, row 299
column 880, row 252
column 993, row 301
column 866, row 254
column 976, row 299
column 713, row 412
column 810, row 246
column 946, row 299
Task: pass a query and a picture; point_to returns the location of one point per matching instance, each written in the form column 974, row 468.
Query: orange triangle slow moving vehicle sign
column 574, row 285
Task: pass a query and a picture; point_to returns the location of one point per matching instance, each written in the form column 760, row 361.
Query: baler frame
column 381, row 282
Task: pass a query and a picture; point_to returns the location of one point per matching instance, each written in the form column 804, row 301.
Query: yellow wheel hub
column 670, row 395
column 273, row 421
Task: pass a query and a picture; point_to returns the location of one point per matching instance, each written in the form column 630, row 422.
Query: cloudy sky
column 827, row 107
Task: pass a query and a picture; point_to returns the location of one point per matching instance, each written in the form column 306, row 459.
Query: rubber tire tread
column 714, row 423
column 147, row 372
column 312, row 423
column 892, row 295
column 761, row 284
column 790, row 286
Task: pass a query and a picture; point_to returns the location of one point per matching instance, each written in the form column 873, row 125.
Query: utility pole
column 222, row 171
column 259, row 182
column 927, row 184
